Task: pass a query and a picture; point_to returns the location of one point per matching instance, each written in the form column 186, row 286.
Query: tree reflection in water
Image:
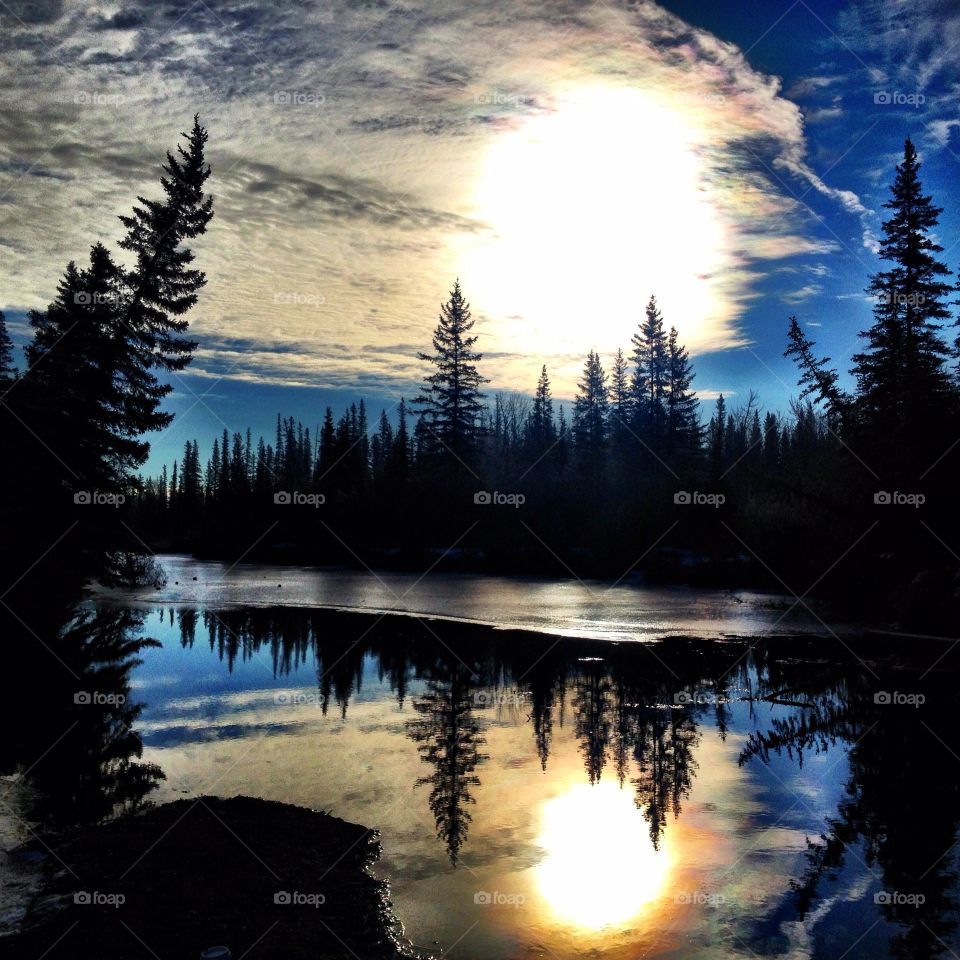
column 77, row 745
column 636, row 717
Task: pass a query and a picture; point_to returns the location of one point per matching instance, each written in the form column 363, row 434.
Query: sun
column 600, row 868
column 592, row 207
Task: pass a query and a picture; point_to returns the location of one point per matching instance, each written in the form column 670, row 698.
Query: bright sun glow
column 600, row 866
column 594, row 206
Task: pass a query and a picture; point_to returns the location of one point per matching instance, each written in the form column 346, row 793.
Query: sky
column 564, row 159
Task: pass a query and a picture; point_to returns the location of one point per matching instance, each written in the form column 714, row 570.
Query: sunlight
column 595, row 206
column 601, row 867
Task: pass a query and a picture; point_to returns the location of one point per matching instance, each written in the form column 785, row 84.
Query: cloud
column 800, row 295
column 347, row 141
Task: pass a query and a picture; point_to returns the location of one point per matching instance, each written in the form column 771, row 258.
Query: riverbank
column 268, row 880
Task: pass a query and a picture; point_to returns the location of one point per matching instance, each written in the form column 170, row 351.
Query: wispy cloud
column 347, row 140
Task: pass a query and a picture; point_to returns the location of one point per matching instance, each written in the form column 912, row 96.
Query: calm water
column 544, row 797
column 622, row 611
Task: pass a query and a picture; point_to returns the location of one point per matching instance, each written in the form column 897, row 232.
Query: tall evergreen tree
column 8, row 369
column 95, row 350
column 451, row 396
column 816, row 377
column 902, row 379
column 682, row 423
column 717, row 433
column 590, row 411
column 650, row 374
column 541, row 430
column 620, row 401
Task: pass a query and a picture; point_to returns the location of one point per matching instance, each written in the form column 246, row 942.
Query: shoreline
column 266, row 879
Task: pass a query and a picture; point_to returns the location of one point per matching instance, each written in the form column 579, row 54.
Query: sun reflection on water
column 600, row 868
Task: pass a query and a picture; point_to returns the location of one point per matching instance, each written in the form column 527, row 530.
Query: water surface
column 737, row 789
column 550, row 796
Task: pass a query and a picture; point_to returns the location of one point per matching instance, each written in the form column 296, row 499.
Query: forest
column 849, row 493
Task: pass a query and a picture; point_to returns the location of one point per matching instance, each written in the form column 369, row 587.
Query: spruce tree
column 590, row 410
column 8, row 369
column 451, row 396
column 816, row 377
column 540, row 429
column 650, row 374
column 904, row 389
column 682, row 424
column 620, row 401
column 400, row 453
column 717, row 436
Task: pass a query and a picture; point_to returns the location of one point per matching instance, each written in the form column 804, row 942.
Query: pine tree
column 816, row 377
column 451, row 396
column 214, row 489
column 902, row 380
column 717, row 436
column 381, row 445
column 399, row 460
column 163, row 285
column 327, row 440
column 541, row 432
column 771, row 443
column 563, row 439
column 91, row 391
column 621, row 412
column 682, row 425
column 650, row 374
column 590, row 410
column 8, row 369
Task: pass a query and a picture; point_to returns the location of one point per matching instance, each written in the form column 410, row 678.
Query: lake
column 565, row 769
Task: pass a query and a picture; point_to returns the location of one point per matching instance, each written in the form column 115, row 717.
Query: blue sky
column 565, row 159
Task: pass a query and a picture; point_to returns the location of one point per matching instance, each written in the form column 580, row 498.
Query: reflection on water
column 72, row 726
column 584, row 875
column 562, row 797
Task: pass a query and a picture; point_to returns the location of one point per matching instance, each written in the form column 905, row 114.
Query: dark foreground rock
column 266, row 879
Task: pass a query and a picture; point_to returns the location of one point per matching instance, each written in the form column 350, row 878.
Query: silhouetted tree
column 451, row 396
